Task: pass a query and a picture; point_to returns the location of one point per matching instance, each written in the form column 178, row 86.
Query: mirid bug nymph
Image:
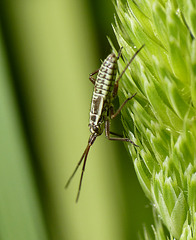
column 102, row 110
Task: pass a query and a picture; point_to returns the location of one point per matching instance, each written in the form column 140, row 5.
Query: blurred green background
column 47, row 50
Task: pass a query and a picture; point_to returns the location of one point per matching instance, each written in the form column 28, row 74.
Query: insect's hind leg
column 107, row 133
column 91, row 78
column 120, row 76
column 119, row 52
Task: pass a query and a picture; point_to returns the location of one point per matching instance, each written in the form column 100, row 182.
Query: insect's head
column 96, row 129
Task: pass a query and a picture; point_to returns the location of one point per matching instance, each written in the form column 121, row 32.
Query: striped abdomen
column 106, row 76
column 102, row 93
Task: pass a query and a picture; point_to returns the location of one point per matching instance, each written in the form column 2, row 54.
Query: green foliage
column 21, row 212
column 162, row 117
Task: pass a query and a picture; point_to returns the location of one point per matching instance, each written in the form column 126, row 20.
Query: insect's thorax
column 103, row 94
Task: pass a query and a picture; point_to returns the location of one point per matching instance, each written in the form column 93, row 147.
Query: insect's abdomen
column 106, row 76
column 103, row 90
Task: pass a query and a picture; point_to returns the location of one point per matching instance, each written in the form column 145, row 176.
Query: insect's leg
column 107, row 133
column 116, row 134
column 119, row 52
column 92, row 79
column 113, row 115
column 120, row 76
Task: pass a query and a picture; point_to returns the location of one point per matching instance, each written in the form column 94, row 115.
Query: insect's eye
column 95, row 128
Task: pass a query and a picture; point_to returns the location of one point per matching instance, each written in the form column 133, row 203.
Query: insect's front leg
column 113, row 115
column 92, row 79
column 116, row 134
column 107, row 133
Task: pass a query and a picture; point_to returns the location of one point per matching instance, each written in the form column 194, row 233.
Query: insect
column 102, row 110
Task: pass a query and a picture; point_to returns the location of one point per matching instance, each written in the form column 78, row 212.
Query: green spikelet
column 162, row 117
